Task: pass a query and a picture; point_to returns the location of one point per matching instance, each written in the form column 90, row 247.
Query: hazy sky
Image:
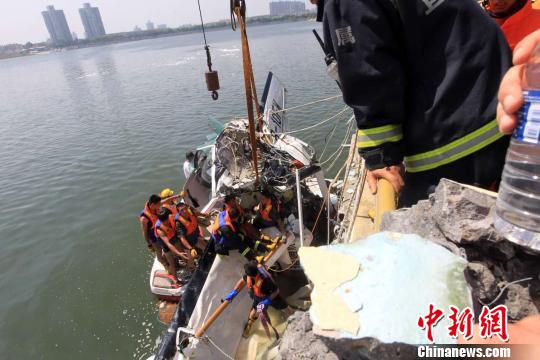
column 21, row 20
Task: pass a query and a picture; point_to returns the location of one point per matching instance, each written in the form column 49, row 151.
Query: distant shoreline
column 125, row 37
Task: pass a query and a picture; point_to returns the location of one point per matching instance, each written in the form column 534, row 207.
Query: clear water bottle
column 517, row 214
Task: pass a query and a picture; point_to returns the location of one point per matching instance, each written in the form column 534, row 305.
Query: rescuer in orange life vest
column 264, row 292
column 172, row 248
column 231, row 201
column 227, row 235
column 148, row 219
column 187, row 229
column 517, row 18
column 269, row 213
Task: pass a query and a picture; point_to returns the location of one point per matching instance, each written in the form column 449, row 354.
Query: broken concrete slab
column 389, row 293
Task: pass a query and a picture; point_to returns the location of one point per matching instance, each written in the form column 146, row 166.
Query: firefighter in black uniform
column 422, row 78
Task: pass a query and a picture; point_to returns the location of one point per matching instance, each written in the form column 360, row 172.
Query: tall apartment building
column 91, row 19
column 56, row 23
column 280, row 8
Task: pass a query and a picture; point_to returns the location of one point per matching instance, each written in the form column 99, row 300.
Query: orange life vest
column 254, row 284
column 266, row 208
column 152, row 220
column 171, row 208
column 190, row 222
column 222, row 219
column 169, row 230
column 237, row 206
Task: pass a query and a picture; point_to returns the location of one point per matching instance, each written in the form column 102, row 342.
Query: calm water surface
column 85, row 137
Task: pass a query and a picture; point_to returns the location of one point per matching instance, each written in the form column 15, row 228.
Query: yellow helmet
column 165, row 193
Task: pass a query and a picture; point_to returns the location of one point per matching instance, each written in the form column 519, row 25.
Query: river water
column 85, row 137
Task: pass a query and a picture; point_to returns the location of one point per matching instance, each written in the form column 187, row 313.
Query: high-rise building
column 150, row 25
column 56, row 23
column 91, row 19
column 280, row 8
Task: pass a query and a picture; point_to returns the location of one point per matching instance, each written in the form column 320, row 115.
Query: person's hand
column 391, row 173
column 193, row 252
column 231, row 295
column 510, row 92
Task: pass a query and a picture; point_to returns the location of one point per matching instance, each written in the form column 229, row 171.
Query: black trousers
column 482, row 168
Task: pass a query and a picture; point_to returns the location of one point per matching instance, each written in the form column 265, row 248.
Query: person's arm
column 364, row 37
column 171, row 247
column 510, row 92
column 239, row 286
column 144, row 228
column 174, row 197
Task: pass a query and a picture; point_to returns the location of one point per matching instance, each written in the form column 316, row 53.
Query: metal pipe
column 214, row 171
column 300, row 212
column 328, row 217
column 385, row 201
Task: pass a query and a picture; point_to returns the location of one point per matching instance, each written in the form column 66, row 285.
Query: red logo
column 430, row 321
column 494, row 322
column 491, row 322
column 462, row 322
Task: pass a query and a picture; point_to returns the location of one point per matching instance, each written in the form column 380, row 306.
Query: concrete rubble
column 460, row 219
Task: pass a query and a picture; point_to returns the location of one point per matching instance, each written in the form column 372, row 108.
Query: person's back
column 421, row 77
column 517, row 18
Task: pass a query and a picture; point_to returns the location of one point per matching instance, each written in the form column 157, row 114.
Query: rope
column 335, row 156
column 289, row 109
column 503, row 290
column 218, row 348
column 307, row 104
column 308, row 127
column 283, row 270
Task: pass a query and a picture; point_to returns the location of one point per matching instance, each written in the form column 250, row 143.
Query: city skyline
column 20, row 23
column 92, row 22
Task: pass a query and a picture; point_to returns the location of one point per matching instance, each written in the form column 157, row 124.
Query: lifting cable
column 212, row 79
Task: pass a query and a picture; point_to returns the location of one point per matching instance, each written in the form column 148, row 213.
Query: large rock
column 463, row 214
column 300, row 343
column 460, row 219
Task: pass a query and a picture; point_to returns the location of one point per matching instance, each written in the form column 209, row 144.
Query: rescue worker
column 168, row 200
column 517, row 18
column 269, row 213
column 166, row 232
column 148, row 219
column 227, row 235
column 187, row 229
column 421, row 77
column 264, row 292
column 510, row 92
column 188, row 164
column 231, row 201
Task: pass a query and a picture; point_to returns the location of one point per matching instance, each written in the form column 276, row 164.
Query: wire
column 309, row 127
column 217, row 347
column 503, row 290
column 202, row 23
column 288, row 109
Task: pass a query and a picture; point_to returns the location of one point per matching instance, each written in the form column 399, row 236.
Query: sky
column 21, row 20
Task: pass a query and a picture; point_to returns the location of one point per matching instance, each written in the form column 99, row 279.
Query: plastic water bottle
column 517, row 214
